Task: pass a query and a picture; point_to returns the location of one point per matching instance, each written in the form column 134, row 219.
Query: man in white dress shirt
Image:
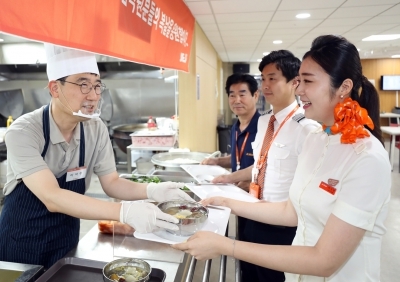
column 279, row 72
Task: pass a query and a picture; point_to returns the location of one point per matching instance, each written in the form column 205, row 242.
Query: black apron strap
column 46, row 129
column 82, row 147
column 46, row 134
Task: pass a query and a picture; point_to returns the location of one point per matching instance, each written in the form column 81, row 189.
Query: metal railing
column 207, row 267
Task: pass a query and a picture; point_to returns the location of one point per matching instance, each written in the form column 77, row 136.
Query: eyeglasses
column 86, row 87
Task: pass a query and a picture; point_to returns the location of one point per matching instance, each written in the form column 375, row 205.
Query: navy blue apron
column 29, row 233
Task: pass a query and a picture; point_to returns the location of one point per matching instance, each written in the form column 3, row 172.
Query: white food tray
column 204, row 174
column 228, row 191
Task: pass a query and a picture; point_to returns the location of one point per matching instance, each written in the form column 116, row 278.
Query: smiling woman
column 340, row 191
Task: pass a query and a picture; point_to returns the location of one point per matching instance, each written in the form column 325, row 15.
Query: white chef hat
column 62, row 61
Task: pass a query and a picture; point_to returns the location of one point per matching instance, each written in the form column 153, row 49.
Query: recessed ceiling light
column 265, row 53
column 259, row 60
column 396, row 56
column 381, row 37
column 1, row 39
column 358, row 49
column 303, row 16
column 372, row 51
column 277, row 41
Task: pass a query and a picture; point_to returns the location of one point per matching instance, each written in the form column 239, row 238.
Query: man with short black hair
column 280, row 136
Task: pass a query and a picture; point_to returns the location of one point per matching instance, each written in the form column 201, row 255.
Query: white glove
column 167, row 191
column 144, row 217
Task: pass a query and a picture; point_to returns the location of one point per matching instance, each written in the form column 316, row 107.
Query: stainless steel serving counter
column 97, row 246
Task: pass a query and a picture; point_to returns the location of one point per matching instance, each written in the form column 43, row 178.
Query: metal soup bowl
column 126, row 262
column 187, row 226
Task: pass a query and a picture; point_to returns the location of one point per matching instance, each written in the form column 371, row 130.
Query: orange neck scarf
column 350, row 119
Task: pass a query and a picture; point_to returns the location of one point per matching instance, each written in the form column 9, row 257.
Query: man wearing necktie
column 280, row 135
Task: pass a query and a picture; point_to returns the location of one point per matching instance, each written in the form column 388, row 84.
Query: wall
column 198, row 110
column 373, row 69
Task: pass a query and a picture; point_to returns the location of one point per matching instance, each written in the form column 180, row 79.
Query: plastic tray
column 73, row 269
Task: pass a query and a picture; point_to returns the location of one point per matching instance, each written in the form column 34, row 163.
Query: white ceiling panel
column 244, row 17
column 287, row 31
column 205, row 19
column 344, row 21
column 291, row 15
column 243, row 26
column 199, row 8
column 363, row 11
column 373, row 29
column 209, row 27
column 356, row 3
column 394, row 11
column 383, row 20
column 293, row 24
column 257, row 32
column 309, row 4
column 240, row 6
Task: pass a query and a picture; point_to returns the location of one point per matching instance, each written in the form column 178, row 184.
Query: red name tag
column 328, row 188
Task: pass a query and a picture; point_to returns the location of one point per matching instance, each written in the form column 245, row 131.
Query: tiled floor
column 390, row 259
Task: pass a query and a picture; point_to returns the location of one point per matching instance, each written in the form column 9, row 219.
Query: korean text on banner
column 153, row 32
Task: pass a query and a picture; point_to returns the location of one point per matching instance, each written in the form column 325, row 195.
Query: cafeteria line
column 102, row 247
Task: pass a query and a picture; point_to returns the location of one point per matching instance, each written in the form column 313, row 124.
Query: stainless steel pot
column 126, row 262
column 121, row 134
column 187, row 226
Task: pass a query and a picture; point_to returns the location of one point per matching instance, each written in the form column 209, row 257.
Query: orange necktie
column 267, row 140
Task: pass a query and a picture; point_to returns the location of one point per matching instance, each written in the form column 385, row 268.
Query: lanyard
column 262, row 158
column 239, row 156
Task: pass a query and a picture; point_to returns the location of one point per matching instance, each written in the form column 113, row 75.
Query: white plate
column 217, row 222
column 227, row 191
column 204, row 174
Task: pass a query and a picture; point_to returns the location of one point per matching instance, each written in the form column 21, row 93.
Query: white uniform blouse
column 284, row 151
column 361, row 172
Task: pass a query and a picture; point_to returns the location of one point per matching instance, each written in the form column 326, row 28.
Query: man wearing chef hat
column 52, row 153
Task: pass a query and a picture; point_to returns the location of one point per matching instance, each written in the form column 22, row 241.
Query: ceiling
column 241, row 30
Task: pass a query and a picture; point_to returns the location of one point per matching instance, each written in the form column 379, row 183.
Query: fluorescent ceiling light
column 265, row 53
column 259, row 60
column 396, row 56
column 1, row 39
column 381, row 37
column 303, row 16
column 277, row 41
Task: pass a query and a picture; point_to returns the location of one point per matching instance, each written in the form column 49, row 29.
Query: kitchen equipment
column 107, row 107
column 142, row 265
column 18, row 272
column 185, row 211
column 121, row 134
column 144, row 165
column 73, row 269
column 174, row 160
column 153, row 138
column 11, row 103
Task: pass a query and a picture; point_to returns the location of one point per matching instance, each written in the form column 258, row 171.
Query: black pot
column 121, row 134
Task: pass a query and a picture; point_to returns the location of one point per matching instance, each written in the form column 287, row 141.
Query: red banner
column 152, row 32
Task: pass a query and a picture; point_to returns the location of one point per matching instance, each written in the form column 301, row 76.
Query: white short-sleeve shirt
column 25, row 143
column 360, row 173
column 283, row 153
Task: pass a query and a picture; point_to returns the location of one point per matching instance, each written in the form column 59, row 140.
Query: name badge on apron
column 76, row 173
